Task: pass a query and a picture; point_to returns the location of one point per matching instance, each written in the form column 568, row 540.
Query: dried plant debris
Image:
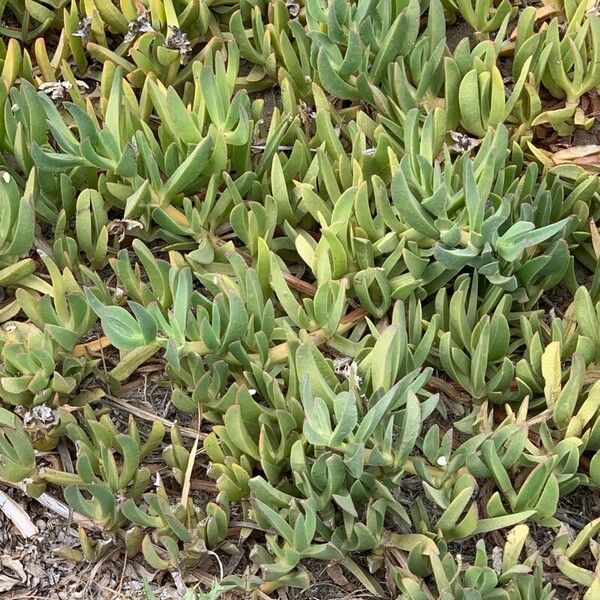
column 32, row 564
column 299, row 294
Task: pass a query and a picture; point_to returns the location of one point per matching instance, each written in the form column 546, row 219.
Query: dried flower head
column 347, row 368
column 83, row 28
column 306, row 111
column 293, row 8
column 178, row 40
column 120, row 227
column 308, row 117
column 341, row 365
column 39, row 419
column 594, row 11
column 140, row 25
column 57, row 90
column 463, row 143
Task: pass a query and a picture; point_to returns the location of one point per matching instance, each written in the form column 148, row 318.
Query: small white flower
column 6, row 177
column 442, row 461
column 252, row 391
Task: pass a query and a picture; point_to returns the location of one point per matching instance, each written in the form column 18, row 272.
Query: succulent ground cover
column 294, row 291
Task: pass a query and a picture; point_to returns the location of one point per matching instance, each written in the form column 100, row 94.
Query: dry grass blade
column 185, row 489
column 151, row 417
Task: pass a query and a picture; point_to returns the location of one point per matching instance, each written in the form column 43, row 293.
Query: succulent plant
column 509, row 579
column 359, row 255
column 33, row 371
